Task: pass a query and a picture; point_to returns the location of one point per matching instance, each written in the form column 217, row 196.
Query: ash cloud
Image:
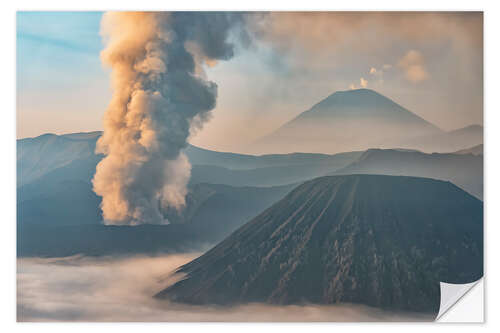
column 121, row 289
column 160, row 95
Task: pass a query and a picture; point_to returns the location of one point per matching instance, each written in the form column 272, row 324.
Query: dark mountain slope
column 382, row 241
column 37, row 156
column 68, row 221
column 268, row 176
column 64, row 196
column 77, row 171
column 99, row 240
column 465, row 171
column 225, row 208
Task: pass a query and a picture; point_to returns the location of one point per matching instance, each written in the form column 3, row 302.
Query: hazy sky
column 429, row 63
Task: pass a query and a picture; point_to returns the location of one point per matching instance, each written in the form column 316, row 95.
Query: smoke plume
column 160, row 95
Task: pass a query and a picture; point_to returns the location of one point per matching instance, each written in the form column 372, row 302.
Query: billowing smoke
column 160, row 95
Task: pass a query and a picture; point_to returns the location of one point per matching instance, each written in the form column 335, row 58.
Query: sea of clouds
column 112, row 289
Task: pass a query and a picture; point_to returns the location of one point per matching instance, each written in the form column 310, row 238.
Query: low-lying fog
column 121, row 288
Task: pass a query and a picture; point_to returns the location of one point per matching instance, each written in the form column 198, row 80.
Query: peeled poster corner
column 462, row 303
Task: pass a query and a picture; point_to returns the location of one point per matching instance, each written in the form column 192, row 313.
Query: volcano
column 382, row 241
column 349, row 120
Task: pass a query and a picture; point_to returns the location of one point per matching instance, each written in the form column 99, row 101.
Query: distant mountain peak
column 360, row 91
column 355, row 98
column 357, row 91
column 345, row 121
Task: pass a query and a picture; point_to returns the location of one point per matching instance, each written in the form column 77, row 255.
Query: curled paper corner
column 452, row 294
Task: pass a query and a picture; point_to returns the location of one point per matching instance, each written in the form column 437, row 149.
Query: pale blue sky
column 61, row 84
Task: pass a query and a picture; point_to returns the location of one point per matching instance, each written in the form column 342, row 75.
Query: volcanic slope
column 382, row 241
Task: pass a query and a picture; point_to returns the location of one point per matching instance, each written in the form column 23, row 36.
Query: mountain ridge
column 40, row 155
column 475, row 150
column 464, row 170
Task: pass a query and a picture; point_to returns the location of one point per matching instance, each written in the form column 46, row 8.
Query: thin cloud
column 413, row 65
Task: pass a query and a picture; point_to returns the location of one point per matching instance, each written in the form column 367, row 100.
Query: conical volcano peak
column 361, row 102
column 383, row 241
column 347, row 121
column 357, row 93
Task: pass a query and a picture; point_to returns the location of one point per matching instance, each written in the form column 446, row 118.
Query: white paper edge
column 461, row 302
